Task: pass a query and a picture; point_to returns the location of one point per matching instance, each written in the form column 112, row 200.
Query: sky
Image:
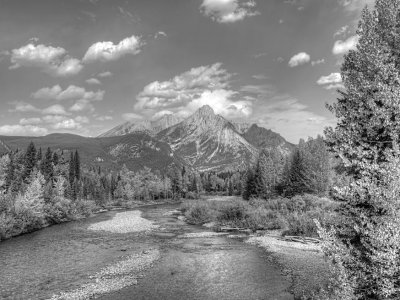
column 85, row 66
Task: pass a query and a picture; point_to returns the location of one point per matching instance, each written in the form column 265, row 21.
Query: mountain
column 135, row 150
column 263, row 138
column 207, row 141
column 204, row 141
column 149, row 127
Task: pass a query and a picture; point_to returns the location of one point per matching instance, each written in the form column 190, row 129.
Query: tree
column 47, row 165
column 72, row 169
column 299, row 180
column 365, row 247
column 30, row 160
column 77, row 166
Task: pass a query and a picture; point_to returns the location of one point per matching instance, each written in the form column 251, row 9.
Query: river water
column 62, row 257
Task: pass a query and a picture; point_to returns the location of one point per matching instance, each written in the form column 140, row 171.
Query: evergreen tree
column 47, row 166
column 56, row 159
column 77, row 166
column 364, row 249
column 72, row 169
column 299, row 180
column 250, row 186
column 30, row 160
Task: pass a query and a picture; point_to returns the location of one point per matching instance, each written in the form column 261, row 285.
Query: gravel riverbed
column 124, row 222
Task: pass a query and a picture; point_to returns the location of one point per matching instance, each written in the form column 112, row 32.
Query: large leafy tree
column 365, row 248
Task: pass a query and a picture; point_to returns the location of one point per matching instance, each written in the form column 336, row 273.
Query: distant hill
column 204, row 141
column 135, row 150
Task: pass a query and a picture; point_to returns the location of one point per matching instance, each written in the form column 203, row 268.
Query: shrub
column 199, row 213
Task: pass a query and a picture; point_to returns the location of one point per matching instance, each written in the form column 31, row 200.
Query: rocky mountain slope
column 207, row 141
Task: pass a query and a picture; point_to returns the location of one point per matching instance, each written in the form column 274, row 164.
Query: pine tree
column 72, row 169
column 299, row 180
column 77, row 166
column 47, row 166
column 30, row 160
column 365, row 247
column 56, row 159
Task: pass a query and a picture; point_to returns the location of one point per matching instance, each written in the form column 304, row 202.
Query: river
column 63, row 257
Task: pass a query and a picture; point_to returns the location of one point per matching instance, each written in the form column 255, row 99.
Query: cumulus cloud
column 105, row 74
column 341, row 31
column 30, row 121
column 228, row 11
column 51, row 60
column 190, row 90
column 93, row 81
column 299, row 59
column 23, row 107
column 317, row 62
column 159, row 34
column 55, row 109
column 83, row 98
column 67, row 124
column 104, row 118
column 342, row 47
column 108, row 51
column 24, row 130
column 332, row 81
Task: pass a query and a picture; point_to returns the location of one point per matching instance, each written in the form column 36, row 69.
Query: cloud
column 161, row 114
column 104, row 118
column 108, row 51
column 51, row 60
column 355, row 5
column 299, row 59
column 342, row 47
column 131, row 117
column 71, row 93
column 190, row 90
column 332, row 78
column 30, row 121
column 55, row 109
column 317, row 62
column 93, row 81
column 332, row 81
column 20, row 106
column 262, row 54
column 82, row 105
column 228, row 11
column 67, row 124
column 105, row 74
column 260, row 77
column 159, row 34
column 24, row 130
column 342, row 31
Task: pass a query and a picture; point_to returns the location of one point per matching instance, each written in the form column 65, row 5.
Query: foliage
column 365, row 247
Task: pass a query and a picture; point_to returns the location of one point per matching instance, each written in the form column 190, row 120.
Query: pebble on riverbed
column 113, row 277
column 124, row 222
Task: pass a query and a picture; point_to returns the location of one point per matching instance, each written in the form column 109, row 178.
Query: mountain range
column 204, row 141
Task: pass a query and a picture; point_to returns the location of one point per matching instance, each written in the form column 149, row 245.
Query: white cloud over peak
column 23, row 107
column 108, row 51
column 228, row 11
column 299, row 59
column 51, row 60
column 105, row 74
column 190, row 90
column 342, row 47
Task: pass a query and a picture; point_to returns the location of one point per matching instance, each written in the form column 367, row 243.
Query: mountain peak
column 205, row 110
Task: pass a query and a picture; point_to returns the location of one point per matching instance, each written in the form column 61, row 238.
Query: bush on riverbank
column 294, row 216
